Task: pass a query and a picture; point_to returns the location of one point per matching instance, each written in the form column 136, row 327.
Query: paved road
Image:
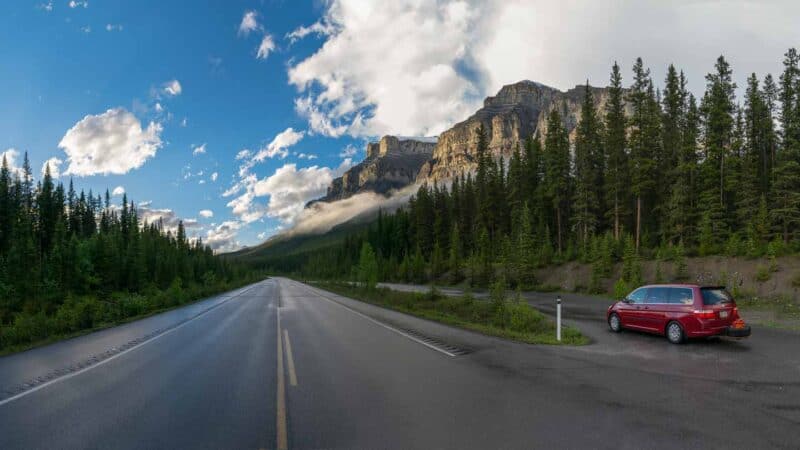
column 281, row 364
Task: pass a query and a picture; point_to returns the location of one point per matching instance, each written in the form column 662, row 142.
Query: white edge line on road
column 390, row 328
column 111, row 358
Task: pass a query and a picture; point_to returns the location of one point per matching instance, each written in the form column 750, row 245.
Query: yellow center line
column 290, row 359
column 282, row 439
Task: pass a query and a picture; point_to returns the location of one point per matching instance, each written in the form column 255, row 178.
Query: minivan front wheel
column 675, row 333
column 614, row 323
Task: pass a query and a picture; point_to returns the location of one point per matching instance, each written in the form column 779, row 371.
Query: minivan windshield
column 715, row 296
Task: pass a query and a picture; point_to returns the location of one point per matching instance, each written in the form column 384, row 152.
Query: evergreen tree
column 557, row 180
column 645, row 130
column 367, row 267
column 718, row 112
column 617, row 176
column 589, row 168
column 785, row 211
column 526, row 248
column 455, row 257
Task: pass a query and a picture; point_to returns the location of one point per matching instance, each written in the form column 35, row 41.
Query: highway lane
column 353, row 375
column 208, row 383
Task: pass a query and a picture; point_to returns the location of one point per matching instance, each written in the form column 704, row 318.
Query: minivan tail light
column 705, row 313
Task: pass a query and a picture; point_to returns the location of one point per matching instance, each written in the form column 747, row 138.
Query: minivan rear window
column 715, row 296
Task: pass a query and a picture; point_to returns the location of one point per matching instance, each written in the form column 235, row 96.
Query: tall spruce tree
column 785, row 211
column 589, row 168
column 718, row 112
column 557, row 180
column 643, row 142
column 617, row 185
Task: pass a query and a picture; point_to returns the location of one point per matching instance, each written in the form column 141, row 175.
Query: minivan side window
column 681, row 296
column 658, row 295
column 638, row 295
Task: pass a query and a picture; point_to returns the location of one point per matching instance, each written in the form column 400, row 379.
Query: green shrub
column 621, row 289
column 433, row 294
column 763, row 274
column 524, row 319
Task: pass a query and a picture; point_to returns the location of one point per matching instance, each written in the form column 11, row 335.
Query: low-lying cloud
column 322, row 216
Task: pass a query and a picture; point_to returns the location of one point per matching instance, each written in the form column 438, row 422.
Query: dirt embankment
column 751, row 277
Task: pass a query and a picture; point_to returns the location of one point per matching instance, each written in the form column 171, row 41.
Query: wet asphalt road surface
column 279, row 364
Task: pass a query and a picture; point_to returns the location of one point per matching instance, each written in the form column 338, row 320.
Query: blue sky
column 123, row 92
column 66, row 63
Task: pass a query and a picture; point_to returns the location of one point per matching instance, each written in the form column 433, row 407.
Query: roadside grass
column 500, row 316
column 37, row 331
column 775, row 312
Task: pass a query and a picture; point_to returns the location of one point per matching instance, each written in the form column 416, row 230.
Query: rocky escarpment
column 517, row 112
column 391, row 163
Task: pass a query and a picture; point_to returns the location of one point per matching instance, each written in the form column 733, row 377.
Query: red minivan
column 679, row 311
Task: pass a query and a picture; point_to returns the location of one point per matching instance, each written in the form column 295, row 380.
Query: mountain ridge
column 518, row 110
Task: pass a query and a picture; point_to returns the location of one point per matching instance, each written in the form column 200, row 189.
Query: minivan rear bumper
column 738, row 332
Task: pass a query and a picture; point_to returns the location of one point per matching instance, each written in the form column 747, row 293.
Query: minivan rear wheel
column 614, row 323
column 675, row 333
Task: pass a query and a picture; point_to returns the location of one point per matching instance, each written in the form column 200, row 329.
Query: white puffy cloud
column 76, row 3
column 318, row 120
column 118, row 191
column 199, row 150
column 172, row 88
column 249, row 186
column 343, row 166
column 279, row 145
column 54, row 164
column 113, row 142
column 206, row 213
column 266, row 47
column 112, row 27
column 10, row 157
column 317, row 28
column 168, row 218
column 290, row 188
column 373, row 76
column 214, row 176
column 48, row 6
column 222, row 238
column 308, row 156
column 348, row 151
column 249, row 23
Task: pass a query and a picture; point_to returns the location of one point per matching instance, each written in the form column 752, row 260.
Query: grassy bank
column 78, row 316
column 501, row 316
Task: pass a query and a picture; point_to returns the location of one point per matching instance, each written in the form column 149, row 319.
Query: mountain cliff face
column 518, row 111
column 391, row 163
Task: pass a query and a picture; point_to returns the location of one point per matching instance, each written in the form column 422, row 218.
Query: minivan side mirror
column 626, row 300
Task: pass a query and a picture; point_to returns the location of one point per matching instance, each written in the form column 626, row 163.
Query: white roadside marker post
column 558, row 318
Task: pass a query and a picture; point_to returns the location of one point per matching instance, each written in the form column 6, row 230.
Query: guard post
column 558, row 318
